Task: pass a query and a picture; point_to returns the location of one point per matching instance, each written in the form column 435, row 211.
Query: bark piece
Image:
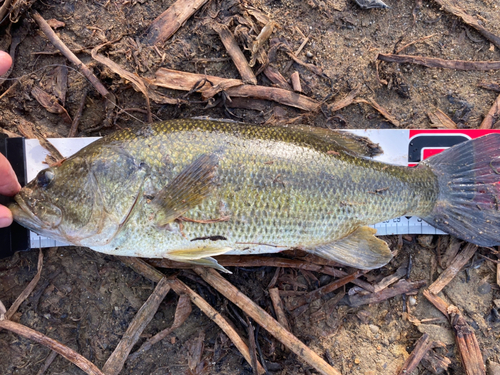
column 167, row 23
column 492, row 115
column 297, row 87
column 178, row 80
column 440, row 120
column 50, row 103
column 235, row 52
column 278, row 307
column 422, row 346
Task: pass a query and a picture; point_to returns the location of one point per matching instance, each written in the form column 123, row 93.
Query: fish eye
column 44, row 178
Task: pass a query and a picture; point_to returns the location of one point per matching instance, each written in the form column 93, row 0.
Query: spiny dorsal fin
column 344, row 141
column 360, row 249
column 187, row 190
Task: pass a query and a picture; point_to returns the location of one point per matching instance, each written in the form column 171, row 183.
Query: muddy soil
column 86, row 300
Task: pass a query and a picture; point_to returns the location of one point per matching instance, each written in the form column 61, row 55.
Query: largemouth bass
column 188, row 190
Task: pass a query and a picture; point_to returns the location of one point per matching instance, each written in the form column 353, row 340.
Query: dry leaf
column 50, row 103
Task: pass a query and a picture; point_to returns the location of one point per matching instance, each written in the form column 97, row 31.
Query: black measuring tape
column 14, row 238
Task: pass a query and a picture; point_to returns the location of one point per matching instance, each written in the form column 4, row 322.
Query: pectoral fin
column 187, row 190
column 201, row 255
column 360, row 249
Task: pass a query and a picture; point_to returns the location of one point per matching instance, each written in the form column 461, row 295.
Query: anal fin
column 201, row 255
column 360, row 249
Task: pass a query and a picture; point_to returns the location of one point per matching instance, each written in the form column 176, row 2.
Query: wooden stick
column 47, row 363
column 76, row 120
column 492, row 115
column 380, row 109
column 117, row 359
column 235, row 52
column 318, row 293
column 265, row 320
column 72, row 356
column 177, row 80
column 401, row 287
column 452, row 8
column 433, row 62
column 455, row 266
column 274, row 293
column 422, row 346
column 29, row 288
column 276, row 78
column 439, row 119
column 335, row 106
column 468, row 346
column 141, row 267
column 493, row 86
column 415, row 41
column 167, row 23
column 54, row 39
column 259, row 261
column 297, row 87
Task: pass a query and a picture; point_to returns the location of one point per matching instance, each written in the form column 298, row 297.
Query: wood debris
column 167, row 23
column 50, row 103
column 380, row 109
column 434, row 62
column 117, row 359
column 422, row 346
column 492, row 116
column 401, row 287
column 455, row 266
column 178, row 80
column 440, row 120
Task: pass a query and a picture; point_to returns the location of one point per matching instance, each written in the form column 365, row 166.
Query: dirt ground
column 86, row 300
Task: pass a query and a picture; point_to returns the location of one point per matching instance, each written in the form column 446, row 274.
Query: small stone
column 374, row 328
column 484, row 288
column 357, row 361
column 309, row 54
column 412, row 300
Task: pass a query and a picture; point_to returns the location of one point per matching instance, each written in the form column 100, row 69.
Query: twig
column 72, row 356
column 318, row 293
column 492, row 115
column 433, row 62
column 274, row 293
column 117, row 359
column 54, row 39
column 265, row 320
column 276, row 78
column 235, row 52
column 182, row 312
column 401, row 287
column 3, row 9
column 380, row 109
column 47, row 363
column 297, row 87
column 469, row 20
column 252, row 346
column 29, row 288
column 76, row 120
column 178, row 80
column 391, row 279
column 179, row 287
column 493, row 86
column 439, row 119
column 455, row 266
column 167, row 23
column 415, row 41
column 422, row 346
column 260, row 261
column 335, row 106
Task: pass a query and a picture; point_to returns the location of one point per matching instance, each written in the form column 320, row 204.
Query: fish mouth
column 23, row 215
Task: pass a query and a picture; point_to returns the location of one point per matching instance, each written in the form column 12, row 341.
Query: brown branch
column 265, row 320
column 235, row 52
column 469, row 20
column 54, row 39
column 141, row 267
column 117, row 359
column 455, row 266
column 47, row 363
column 401, row 287
column 29, row 288
column 493, row 86
column 167, row 23
column 335, row 106
column 433, row 62
column 492, row 115
column 274, row 293
column 72, row 356
column 178, row 80
column 422, row 346
column 379, row 109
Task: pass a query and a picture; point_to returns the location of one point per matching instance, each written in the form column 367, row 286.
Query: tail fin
column 468, row 203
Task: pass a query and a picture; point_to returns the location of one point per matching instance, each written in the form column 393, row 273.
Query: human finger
column 5, row 62
column 8, row 180
column 5, row 217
